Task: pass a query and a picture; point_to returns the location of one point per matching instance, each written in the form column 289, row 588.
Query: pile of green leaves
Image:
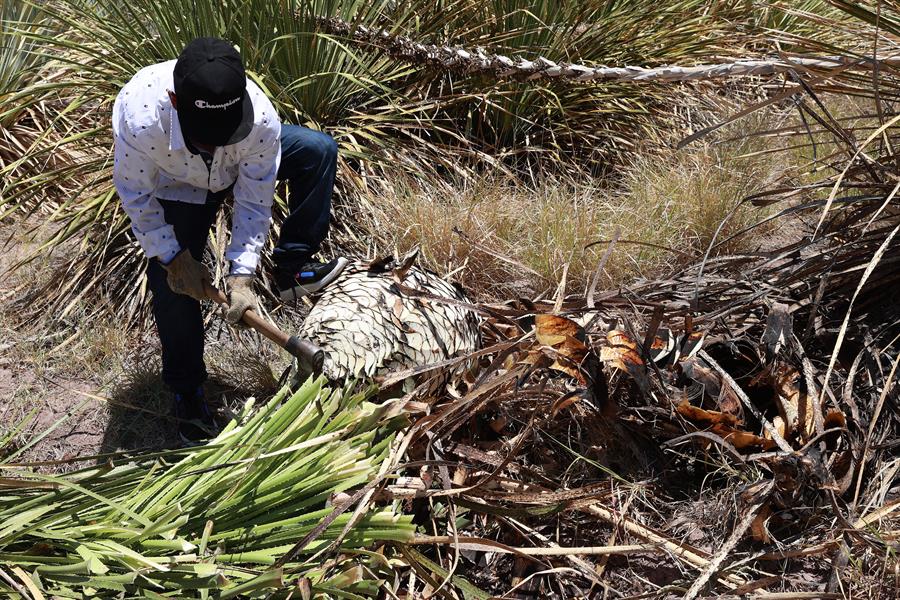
column 212, row 521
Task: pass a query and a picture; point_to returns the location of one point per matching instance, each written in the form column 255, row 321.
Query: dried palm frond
column 726, row 377
column 769, row 376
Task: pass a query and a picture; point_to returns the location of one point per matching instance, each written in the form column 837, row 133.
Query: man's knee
column 324, row 148
column 302, row 149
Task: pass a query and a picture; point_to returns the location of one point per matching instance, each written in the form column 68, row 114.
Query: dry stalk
column 478, row 62
column 15, row 584
column 484, row 545
column 588, row 569
column 767, row 425
column 783, row 596
column 680, row 551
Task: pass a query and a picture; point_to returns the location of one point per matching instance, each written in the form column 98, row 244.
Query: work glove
column 186, row 275
column 240, row 298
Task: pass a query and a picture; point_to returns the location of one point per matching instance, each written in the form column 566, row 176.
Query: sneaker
column 310, row 278
column 195, row 421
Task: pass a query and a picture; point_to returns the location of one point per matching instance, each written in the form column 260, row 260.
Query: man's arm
column 134, row 175
column 253, row 193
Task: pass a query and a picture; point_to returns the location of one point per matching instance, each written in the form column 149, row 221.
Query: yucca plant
column 20, row 65
column 215, row 520
column 386, row 115
column 19, row 62
column 570, row 121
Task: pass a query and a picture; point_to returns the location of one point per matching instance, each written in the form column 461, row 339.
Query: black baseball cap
column 211, row 85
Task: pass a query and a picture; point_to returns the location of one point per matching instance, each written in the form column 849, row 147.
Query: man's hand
column 240, row 297
column 186, row 275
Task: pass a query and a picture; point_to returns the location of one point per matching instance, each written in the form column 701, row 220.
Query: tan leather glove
column 240, row 298
column 186, row 275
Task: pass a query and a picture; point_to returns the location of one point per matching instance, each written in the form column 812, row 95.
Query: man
column 189, row 133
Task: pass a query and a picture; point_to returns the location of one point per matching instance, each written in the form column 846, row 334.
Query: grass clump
column 501, row 237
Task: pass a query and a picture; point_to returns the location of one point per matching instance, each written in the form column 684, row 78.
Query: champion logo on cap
column 205, row 104
column 214, row 106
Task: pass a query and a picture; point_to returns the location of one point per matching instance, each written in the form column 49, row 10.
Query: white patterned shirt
column 153, row 162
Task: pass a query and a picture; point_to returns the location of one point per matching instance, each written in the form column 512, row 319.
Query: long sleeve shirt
column 153, row 162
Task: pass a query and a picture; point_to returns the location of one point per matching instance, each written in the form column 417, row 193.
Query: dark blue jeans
column 308, row 163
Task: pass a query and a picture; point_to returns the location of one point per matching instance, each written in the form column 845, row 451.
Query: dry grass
column 501, row 238
column 92, row 385
column 102, row 391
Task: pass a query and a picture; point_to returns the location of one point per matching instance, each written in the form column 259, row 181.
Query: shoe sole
column 186, row 442
column 209, row 431
column 297, row 292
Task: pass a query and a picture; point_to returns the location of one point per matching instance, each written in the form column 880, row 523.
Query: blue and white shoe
column 309, row 279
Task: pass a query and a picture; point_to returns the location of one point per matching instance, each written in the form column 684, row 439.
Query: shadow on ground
column 140, row 406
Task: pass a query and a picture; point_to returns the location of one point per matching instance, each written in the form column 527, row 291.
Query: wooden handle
column 310, row 356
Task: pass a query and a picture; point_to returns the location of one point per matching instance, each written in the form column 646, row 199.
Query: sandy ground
column 46, row 406
column 92, row 388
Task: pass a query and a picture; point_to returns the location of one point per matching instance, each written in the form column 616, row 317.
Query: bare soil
column 89, row 388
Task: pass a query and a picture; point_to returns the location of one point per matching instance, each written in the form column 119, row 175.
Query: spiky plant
column 370, row 322
column 385, row 115
column 20, row 66
column 18, row 59
column 224, row 520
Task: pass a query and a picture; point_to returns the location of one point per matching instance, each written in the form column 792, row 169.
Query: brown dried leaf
column 742, row 439
column 406, row 263
column 304, row 586
column 835, row 423
column 621, row 352
column 795, row 406
column 662, row 346
column 705, row 417
column 835, row 419
column 498, row 424
column 758, row 529
column 724, row 425
column 536, row 359
column 564, row 402
column 460, row 475
column 725, row 397
column 778, row 423
column 779, row 328
column 843, row 470
column 552, row 330
column 617, row 337
column 566, row 338
column 570, row 369
column 692, row 343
